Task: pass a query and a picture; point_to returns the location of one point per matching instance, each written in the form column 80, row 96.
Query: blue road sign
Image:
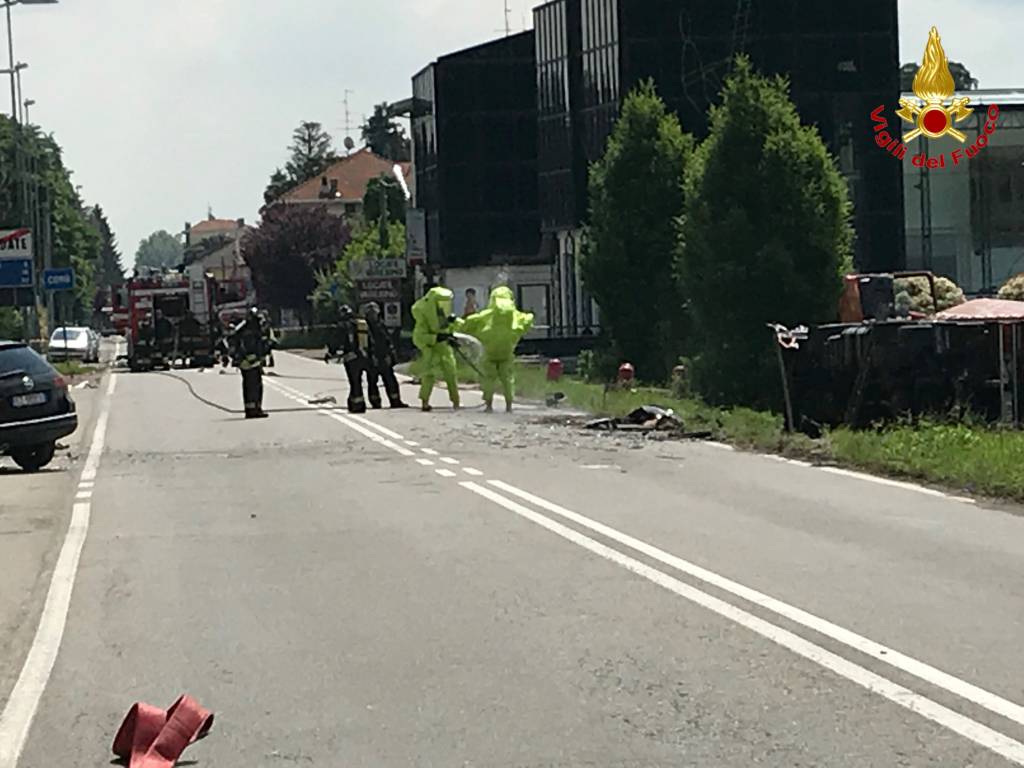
column 62, row 279
column 16, row 273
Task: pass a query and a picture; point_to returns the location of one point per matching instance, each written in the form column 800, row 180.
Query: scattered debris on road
column 328, row 400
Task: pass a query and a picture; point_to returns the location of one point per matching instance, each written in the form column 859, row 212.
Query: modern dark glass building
column 475, row 154
column 842, row 60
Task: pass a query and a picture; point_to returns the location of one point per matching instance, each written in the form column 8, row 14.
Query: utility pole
column 508, row 18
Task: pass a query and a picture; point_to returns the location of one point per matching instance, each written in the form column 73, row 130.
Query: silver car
column 76, row 343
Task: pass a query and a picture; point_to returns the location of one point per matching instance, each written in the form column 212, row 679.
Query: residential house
column 342, row 186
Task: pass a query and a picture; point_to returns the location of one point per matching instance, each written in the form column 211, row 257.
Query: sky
column 166, row 107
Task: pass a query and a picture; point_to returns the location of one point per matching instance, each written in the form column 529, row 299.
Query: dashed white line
column 20, row 709
column 445, row 472
column 472, row 472
column 449, row 460
column 383, row 430
column 425, row 462
column 429, row 451
column 83, row 495
column 412, row 443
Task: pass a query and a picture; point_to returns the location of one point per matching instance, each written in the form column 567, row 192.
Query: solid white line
column 980, row 734
column 912, row 666
column 720, row 446
column 445, row 472
column 449, row 460
column 429, row 451
column 425, row 462
column 92, row 461
column 378, row 427
column 882, row 481
column 473, row 472
column 18, row 713
column 111, row 384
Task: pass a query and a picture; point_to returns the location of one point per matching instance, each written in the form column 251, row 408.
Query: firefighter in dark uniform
column 250, row 344
column 352, row 348
column 380, row 359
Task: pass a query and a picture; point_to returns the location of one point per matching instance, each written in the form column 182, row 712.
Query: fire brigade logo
column 937, row 112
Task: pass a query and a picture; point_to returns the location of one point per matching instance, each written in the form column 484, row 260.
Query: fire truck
column 176, row 317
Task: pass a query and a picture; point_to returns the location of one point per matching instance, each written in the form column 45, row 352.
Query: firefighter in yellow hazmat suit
column 432, row 336
column 499, row 329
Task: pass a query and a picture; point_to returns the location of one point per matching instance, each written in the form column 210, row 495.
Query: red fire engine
column 174, row 317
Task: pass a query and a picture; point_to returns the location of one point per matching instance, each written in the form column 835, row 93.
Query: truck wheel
column 34, row 458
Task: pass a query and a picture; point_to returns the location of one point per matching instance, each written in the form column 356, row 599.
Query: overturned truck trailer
column 965, row 360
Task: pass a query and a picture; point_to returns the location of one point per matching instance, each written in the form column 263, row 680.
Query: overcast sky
column 166, row 106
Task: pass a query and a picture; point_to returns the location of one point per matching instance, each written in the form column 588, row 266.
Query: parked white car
column 81, row 344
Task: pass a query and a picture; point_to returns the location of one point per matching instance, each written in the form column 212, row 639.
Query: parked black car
column 35, row 407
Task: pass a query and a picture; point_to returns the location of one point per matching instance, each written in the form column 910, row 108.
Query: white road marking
column 720, row 446
column 980, row 734
column 378, row 427
column 472, row 472
column 449, row 460
column 20, row 709
column 892, row 483
column 86, row 484
column 445, row 472
column 894, row 658
column 412, row 443
column 429, row 451
column 425, row 462
column 84, row 495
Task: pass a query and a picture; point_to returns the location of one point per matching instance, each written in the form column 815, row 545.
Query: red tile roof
column 214, row 225
column 352, row 173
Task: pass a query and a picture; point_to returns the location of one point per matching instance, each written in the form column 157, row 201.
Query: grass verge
column 72, row 368
column 971, row 458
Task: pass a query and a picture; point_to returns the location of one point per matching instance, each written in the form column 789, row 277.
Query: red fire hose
column 150, row 737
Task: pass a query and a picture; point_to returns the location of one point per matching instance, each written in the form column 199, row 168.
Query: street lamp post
column 8, row 4
column 28, row 103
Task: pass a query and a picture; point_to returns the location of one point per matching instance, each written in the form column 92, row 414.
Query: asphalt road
column 462, row 589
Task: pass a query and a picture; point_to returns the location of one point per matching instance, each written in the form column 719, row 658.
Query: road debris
column 328, row 400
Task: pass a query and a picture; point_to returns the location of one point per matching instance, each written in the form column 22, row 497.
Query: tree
column 311, row 152
column 919, row 294
column 289, row 248
column 962, row 79
column 636, row 194
column 334, row 286
column 280, row 182
column 74, row 243
column 385, row 137
column 393, row 194
column 161, row 250
column 765, row 236
column 108, row 268
column 1013, row 289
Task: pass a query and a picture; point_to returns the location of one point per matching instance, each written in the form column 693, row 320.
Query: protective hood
column 500, row 326
column 431, row 314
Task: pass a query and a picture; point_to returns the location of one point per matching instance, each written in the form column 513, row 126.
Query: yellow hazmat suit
column 432, row 314
column 499, row 329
